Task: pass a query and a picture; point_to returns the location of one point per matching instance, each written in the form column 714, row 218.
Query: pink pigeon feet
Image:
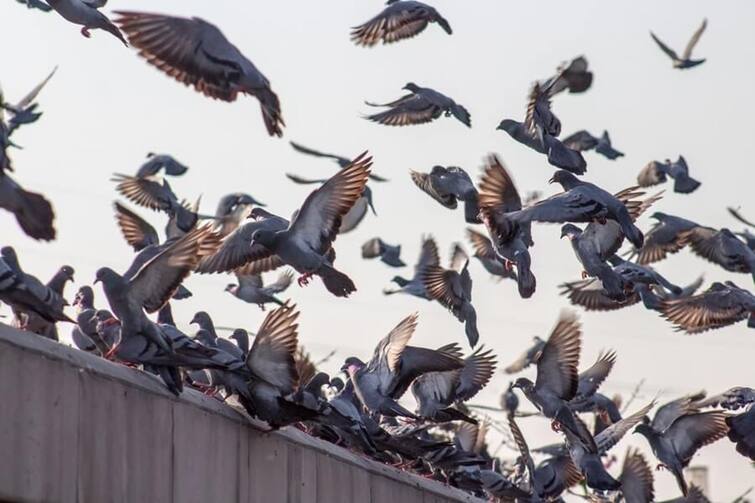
column 660, row 466
column 304, row 279
column 508, row 265
column 85, row 32
column 556, row 426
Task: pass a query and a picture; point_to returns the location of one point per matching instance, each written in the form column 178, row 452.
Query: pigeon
column 232, row 210
column 685, row 61
column 656, row 172
column 510, row 240
column 558, row 154
column 389, row 254
column 452, row 288
column 678, row 431
column 137, row 232
column 22, row 112
column 722, row 247
column 356, row 214
column 634, row 274
column 87, row 14
column 241, row 337
column 592, row 252
column 306, row 243
column 251, row 289
column 664, row 238
column 592, row 296
column 32, row 322
column 153, row 284
column 428, row 257
column 722, row 304
column 582, row 141
column 422, row 105
column 590, row 381
column 486, row 254
column 161, row 162
column 436, row 392
column 448, row 186
column 557, row 377
column 340, row 160
column 36, row 4
column 205, row 323
column 575, row 77
column 742, row 432
column 530, row 356
column 582, row 202
column 400, row 20
column 84, row 334
column 196, row 53
column 394, row 365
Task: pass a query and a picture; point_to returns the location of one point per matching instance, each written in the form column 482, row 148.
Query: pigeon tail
column 566, row 417
column 470, row 324
column 336, row 282
column 35, row 215
column 597, row 477
column 453, row 414
column 393, row 408
column 679, row 476
column 444, row 24
column 685, row 185
column 271, row 111
column 526, row 282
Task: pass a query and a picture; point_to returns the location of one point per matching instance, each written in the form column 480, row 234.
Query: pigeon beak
column 96, row 280
column 552, row 180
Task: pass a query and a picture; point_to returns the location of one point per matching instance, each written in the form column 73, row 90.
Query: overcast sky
column 106, row 108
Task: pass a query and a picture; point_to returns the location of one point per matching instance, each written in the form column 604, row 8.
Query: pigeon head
column 438, row 170
column 84, row 297
column 67, row 272
column 351, row 365
column 508, row 125
column 231, row 287
column 523, row 384
column 202, row 319
column 571, row 231
column 9, row 254
column 644, row 428
column 564, row 178
column 108, row 277
column 265, row 237
column 411, row 86
column 658, row 215
column 239, row 334
column 247, row 199
column 400, row 281
column 337, row 383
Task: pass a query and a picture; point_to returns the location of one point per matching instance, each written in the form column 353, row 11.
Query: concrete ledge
column 77, row 428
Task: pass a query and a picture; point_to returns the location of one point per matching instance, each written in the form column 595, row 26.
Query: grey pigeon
column 583, row 140
column 251, row 289
column 232, row 210
column 422, row 105
column 22, row 112
column 241, row 337
column 33, row 211
column 510, row 240
column 656, row 172
column 340, row 160
column 592, row 296
column 36, row 4
column 590, row 380
column 685, row 61
column 414, row 286
column 205, row 323
column 557, row 377
column 592, row 253
column 84, row 334
column 452, row 288
column 664, row 238
column 86, row 13
column 389, row 254
column 401, row 19
column 634, row 274
column 678, row 431
column 161, row 162
column 196, row 53
column 437, row 392
column 394, row 365
column 722, row 247
column 37, row 324
column 486, row 254
column 574, row 76
column 722, row 304
column 582, row 202
column 528, row 357
column 559, row 155
column 448, row 186
column 152, row 286
column 306, row 244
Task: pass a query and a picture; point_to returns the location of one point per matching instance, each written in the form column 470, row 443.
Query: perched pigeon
column 452, row 288
column 428, row 257
column 582, row 202
column 557, row 377
column 530, row 356
column 685, row 61
column 394, row 365
column 582, row 141
column 676, row 433
column 205, row 323
column 389, row 254
column 664, row 238
column 153, row 285
column 436, row 392
column 85, row 334
column 575, row 77
column 401, row 19
column 196, row 53
column 486, row 254
column 448, row 186
column 37, row 324
column 722, row 304
column 422, row 105
column 355, row 215
column 87, row 14
column 251, row 289
column 656, row 172
column 510, row 240
column 340, row 160
column 722, row 247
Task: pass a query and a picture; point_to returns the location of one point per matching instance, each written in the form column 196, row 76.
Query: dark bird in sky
column 422, row 105
column 685, row 61
column 657, row 172
column 401, row 19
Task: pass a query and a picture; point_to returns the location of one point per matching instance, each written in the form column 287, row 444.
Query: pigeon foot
column 304, row 279
column 85, row 32
column 556, row 426
column 660, row 466
column 508, row 265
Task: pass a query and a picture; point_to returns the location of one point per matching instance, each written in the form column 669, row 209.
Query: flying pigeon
column 575, row 77
column 340, row 160
column 87, row 14
column 722, row 304
column 414, row 286
column 528, row 357
column 251, row 289
column 664, row 238
column 583, row 140
column 196, row 53
column 422, row 105
column 389, row 254
column 722, row 247
column 448, row 186
column 656, row 172
column 232, row 210
column 486, row 254
column 401, row 19
column 685, row 61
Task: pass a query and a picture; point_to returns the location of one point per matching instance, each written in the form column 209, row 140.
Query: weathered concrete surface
column 77, row 428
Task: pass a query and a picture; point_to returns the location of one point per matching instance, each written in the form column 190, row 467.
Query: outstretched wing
column 693, row 41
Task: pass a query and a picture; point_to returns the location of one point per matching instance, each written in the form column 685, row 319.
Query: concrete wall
column 74, row 427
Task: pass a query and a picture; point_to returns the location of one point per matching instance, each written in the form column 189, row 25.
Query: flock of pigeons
column 273, row 378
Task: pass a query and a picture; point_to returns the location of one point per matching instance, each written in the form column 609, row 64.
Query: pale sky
column 106, row 108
